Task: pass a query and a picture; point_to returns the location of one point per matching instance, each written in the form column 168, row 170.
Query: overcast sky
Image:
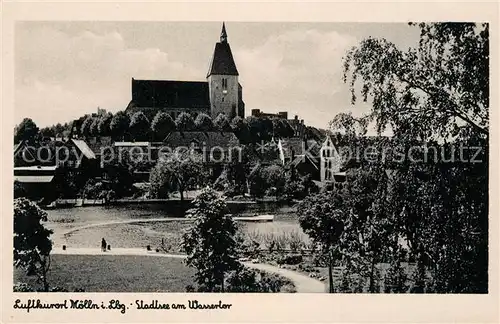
column 65, row 70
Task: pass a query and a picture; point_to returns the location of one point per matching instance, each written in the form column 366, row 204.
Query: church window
column 222, row 99
column 224, row 83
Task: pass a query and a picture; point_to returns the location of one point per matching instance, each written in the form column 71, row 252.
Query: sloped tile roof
column 293, row 144
column 222, row 61
column 207, row 139
column 17, row 147
column 34, row 179
column 170, row 94
column 84, row 148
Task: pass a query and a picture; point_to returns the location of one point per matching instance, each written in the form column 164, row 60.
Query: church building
column 221, row 93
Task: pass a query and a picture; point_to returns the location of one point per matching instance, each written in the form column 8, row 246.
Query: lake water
column 143, row 234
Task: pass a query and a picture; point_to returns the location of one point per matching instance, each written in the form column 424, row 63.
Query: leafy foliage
column 210, row 242
column 203, row 122
column 275, row 178
column 85, row 128
column 321, row 216
column 282, row 128
column 119, row 125
column 241, row 130
column 222, row 123
column 349, row 125
column 139, row 126
column 162, row 125
column 247, row 280
column 27, row 130
column 185, row 122
column 437, row 88
column 103, row 127
column 19, row 190
column 32, row 244
column 436, row 209
column 176, row 172
column 94, row 126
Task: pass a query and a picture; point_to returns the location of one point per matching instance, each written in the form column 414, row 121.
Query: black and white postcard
column 180, row 162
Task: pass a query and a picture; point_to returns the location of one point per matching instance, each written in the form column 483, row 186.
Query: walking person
column 103, row 245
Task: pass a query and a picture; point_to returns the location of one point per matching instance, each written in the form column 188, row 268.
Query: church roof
column 222, row 60
column 171, row 94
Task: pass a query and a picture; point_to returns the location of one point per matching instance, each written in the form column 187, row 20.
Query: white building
column 331, row 163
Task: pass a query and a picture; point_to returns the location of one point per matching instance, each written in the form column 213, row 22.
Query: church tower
column 225, row 91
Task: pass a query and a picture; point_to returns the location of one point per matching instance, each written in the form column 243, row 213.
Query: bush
column 22, row 287
column 110, row 195
column 249, row 280
column 291, row 259
column 295, row 241
column 243, row 281
column 19, row 190
column 94, row 190
column 395, row 279
column 231, row 191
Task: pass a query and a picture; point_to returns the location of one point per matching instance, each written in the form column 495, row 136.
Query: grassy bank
column 116, row 273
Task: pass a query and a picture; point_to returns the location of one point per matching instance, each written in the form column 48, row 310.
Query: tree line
column 138, row 127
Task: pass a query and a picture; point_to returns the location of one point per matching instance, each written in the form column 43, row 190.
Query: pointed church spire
column 223, row 35
column 222, row 60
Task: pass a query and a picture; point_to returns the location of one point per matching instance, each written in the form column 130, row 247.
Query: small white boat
column 257, row 218
column 52, row 205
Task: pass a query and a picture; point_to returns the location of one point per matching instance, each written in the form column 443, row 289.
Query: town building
column 214, row 148
column 330, row 164
column 300, row 156
column 259, row 113
column 220, row 93
column 299, row 129
column 34, row 181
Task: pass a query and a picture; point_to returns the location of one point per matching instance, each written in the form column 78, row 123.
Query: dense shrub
column 19, row 190
column 291, row 259
column 24, row 287
column 249, row 280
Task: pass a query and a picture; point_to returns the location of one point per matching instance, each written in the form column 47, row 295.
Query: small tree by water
column 321, row 217
column 210, row 242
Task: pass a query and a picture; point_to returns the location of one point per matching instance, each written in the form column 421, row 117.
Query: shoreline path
column 303, row 283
